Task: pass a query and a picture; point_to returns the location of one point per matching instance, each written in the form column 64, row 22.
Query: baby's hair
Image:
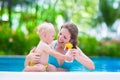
column 44, row 27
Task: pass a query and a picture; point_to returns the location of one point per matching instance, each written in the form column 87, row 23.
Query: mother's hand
column 33, row 57
column 75, row 53
column 82, row 58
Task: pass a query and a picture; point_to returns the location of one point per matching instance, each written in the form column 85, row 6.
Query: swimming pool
column 102, row 64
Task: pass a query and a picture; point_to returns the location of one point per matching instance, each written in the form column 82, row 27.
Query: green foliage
column 31, row 41
column 2, row 52
column 109, row 12
column 81, row 12
column 88, row 44
column 109, row 48
column 16, row 42
column 14, row 45
column 5, row 33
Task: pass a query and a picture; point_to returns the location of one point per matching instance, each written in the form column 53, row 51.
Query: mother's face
column 64, row 36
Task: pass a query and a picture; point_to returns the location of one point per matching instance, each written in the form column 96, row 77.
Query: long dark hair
column 73, row 30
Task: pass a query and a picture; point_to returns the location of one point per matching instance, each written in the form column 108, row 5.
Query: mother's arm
column 82, row 58
column 28, row 57
column 33, row 57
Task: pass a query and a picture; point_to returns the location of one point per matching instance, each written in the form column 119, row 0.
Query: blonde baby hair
column 44, row 27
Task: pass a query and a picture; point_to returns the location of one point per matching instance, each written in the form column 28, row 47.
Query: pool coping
column 60, row 75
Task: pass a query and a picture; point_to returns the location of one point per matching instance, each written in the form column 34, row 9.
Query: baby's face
column 50, row 36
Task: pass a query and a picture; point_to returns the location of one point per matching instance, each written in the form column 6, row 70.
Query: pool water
column 12, row 63
column 102, row 64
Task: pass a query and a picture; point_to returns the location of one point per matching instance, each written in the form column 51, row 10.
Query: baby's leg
column 40, row 67
column 35, row 68
column 51, row 68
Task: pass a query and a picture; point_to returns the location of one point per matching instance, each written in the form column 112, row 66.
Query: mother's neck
column 60, row 46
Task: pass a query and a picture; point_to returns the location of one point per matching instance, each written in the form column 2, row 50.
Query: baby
column 46, row 33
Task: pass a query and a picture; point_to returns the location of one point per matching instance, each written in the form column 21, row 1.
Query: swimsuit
column 46, row 66
column 32, row 64
column 72, row 66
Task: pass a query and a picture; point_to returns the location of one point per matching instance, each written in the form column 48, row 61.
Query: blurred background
column 98, row 22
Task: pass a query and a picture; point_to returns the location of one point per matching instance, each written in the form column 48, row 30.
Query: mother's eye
column 65, row 37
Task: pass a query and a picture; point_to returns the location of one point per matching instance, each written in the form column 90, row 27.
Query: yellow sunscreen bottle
column 69, row 47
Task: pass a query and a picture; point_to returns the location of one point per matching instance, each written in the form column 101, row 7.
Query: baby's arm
column 56, row 54
column 60, row 56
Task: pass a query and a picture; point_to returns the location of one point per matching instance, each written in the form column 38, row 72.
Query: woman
column 67, row 34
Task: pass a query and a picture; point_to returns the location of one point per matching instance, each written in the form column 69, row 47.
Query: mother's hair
column 73, row 30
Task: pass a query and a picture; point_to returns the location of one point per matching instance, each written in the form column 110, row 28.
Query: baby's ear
column 44, row 34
